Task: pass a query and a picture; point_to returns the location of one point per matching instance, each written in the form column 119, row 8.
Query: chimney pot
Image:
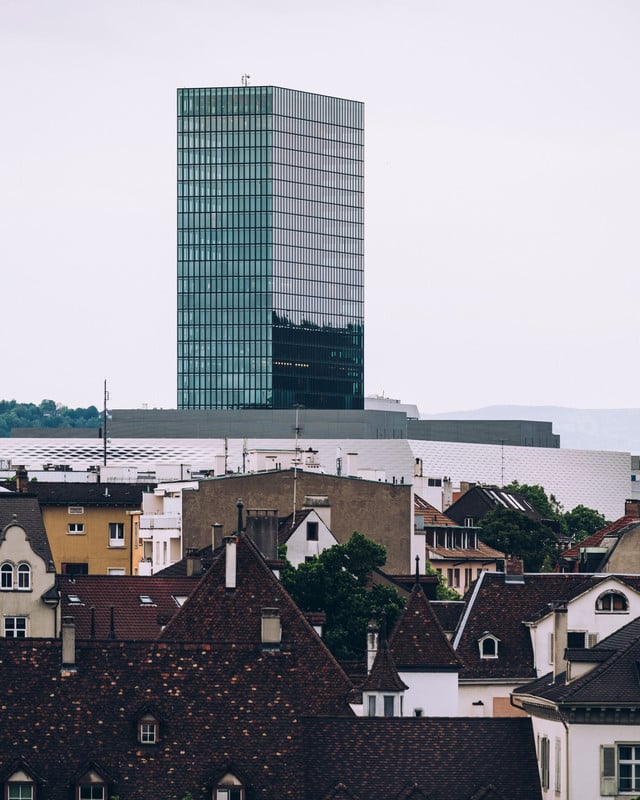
column 68, row 644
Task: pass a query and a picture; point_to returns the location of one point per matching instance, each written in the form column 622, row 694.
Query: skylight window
column 74, row 599
column 146, row 600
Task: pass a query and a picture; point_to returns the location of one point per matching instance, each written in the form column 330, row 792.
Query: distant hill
column 579, row 428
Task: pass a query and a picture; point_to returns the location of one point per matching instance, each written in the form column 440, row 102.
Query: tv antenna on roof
column 245, row 79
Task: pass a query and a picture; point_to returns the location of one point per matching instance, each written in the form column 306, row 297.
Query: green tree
column 443, row 590
column 516, row 534
column 582, row 522
column 546, row 505
column 337, row 582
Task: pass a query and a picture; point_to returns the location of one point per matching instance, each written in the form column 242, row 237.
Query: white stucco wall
column 299, row 548
column 582, row 616
column 436, row 693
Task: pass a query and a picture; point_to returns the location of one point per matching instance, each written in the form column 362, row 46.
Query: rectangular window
column 468, row 576
column 148, row 733
column 115, row 571
column 312, row 531
column 629, row 767
column 20, row 791
column 75, row 527
column 93, row 791
column 15, row 627
column 116, row 534
column 576, row 639
column 558, row 767
column 371, row 707
column 544, row 762
column 75, row 510
column 71, row 568
column 388, row 705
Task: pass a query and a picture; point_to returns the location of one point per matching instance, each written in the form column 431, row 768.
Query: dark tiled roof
column 89, row 494
column 372, row 757
column 278, row 718
column 616, row 680
column 502, row 609
column 384, row 675
column 132, row 619
column 418, row 641
column 24, row 509
column 448, row 613
column 286, row 525
column 206, row 555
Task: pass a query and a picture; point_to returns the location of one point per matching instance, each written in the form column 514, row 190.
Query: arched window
column 24, row 576
column 6, row 576
column 488, row 646
column 611, row 602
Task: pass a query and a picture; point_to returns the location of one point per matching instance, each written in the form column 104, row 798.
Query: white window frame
column 75, row 528
column 15, row 627
column 6, row 576
column 116, row 534
column 20, row 794
column 489, row 637
column 23, row 576
column 609, row 595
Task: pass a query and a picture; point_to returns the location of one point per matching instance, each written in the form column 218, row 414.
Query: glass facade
column 270, row 249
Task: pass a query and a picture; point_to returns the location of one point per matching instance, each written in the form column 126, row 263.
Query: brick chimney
column 22, row 479
column 513, row 569
column 632, row 508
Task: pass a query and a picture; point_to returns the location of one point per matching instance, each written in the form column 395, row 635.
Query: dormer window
column 148, row 729
column 612, row 602
column 229, row 788
column 488, row 646
column 91, row 786
column 20, row 786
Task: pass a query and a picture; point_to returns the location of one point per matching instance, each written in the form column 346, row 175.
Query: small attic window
column 74, row 599
column 179, row 599
column 488, row 645
column 148, row 729
column 229, row 788
column 145, row 600
column 612, row 603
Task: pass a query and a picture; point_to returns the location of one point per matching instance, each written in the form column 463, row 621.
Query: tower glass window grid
column 270, row 249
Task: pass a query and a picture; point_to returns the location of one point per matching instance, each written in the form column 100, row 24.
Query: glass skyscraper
column 270, row 249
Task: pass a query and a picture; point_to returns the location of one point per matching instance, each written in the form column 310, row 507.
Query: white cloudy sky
column 502, row 193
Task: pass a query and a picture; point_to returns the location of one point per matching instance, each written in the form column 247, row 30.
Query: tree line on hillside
column 538, row 542
column 46, row 415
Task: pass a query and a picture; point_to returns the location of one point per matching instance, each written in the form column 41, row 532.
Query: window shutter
column 608, row 782
column 551, row 648
column 592, row 639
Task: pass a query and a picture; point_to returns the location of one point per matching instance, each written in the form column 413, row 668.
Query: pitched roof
column 437, row 758
column 418, row 641
column 287, row 525
column 615, row 680
column 94, row 600
column 56, row 493
column 448, row 613
column 501, row 608
column 431, row 514
column 480, row 553
column 613, row 531
column 384, row 675
column 24, row 509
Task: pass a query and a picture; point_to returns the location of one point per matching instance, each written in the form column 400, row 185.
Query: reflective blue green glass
column 270, row 249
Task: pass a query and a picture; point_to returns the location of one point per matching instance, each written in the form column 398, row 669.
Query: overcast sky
column 502, row 189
